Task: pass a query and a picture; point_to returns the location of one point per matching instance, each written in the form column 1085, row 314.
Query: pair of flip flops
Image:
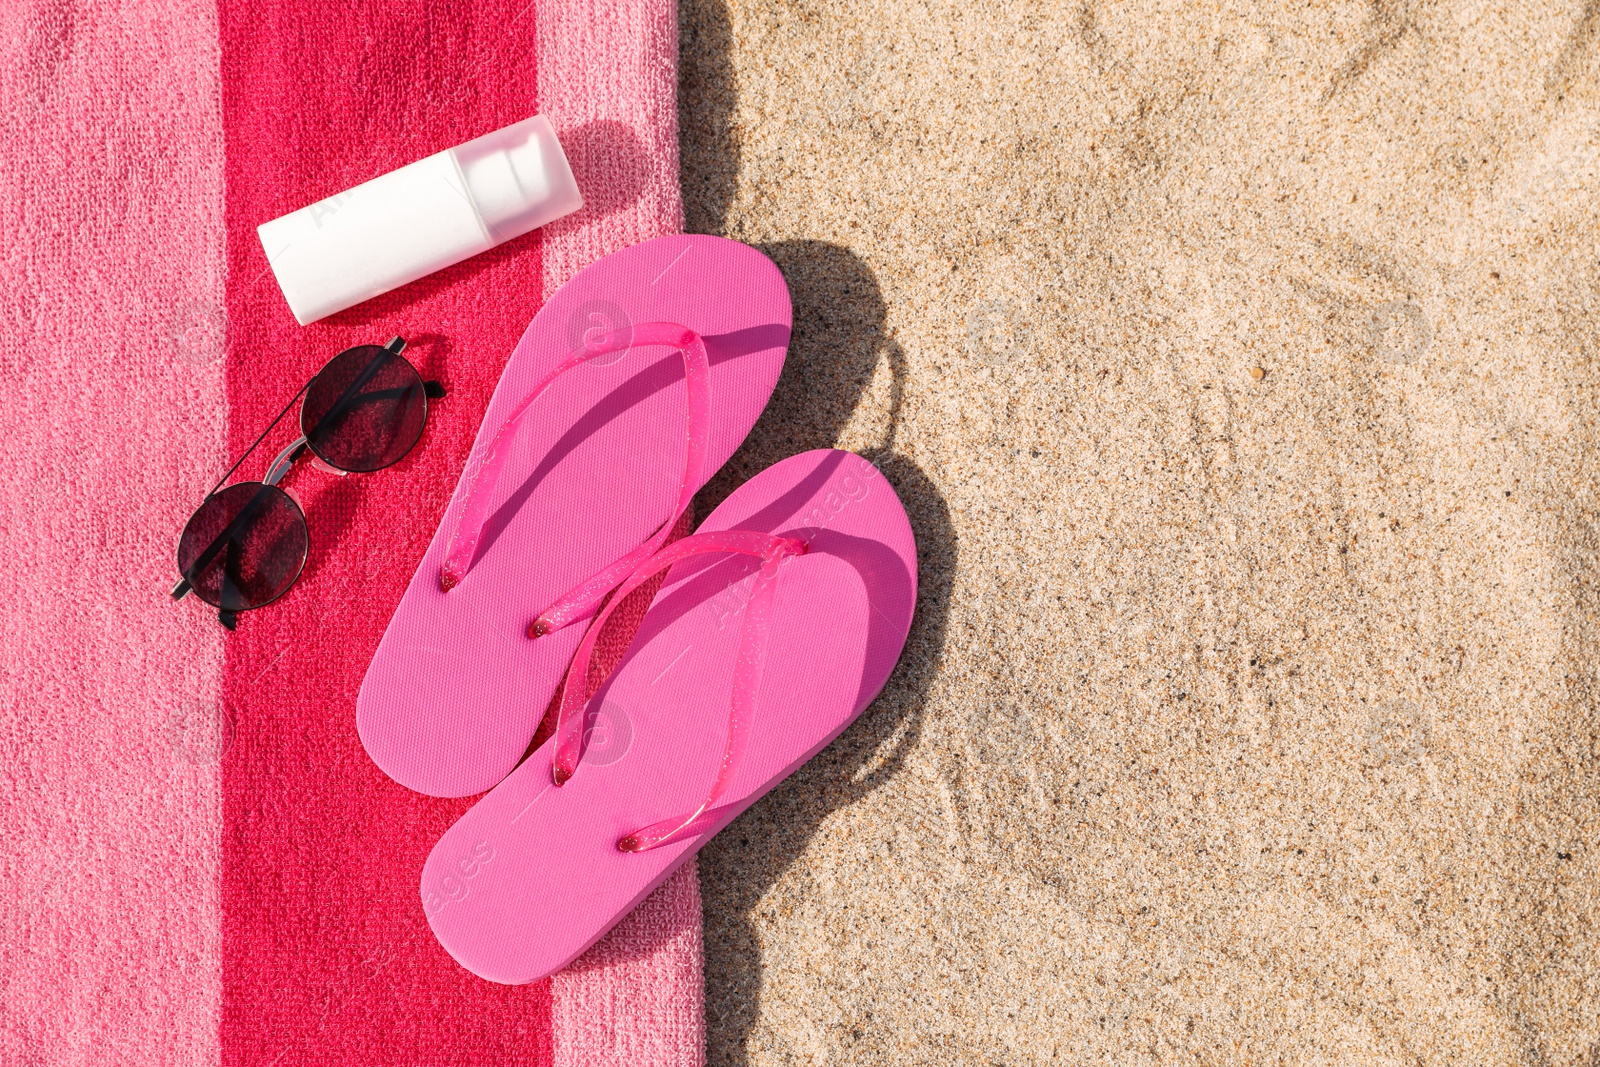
column 772, row 625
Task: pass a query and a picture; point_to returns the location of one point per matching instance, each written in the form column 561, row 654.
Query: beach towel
column 203, row 865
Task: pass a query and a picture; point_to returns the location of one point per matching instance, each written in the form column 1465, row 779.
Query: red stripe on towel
column 326, row 956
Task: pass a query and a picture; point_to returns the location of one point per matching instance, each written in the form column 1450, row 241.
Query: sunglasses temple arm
column 433, row 389
column 230, row 564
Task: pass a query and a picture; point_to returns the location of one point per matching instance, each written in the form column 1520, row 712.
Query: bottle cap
column 518, row 178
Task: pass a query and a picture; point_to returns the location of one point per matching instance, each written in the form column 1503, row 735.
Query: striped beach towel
column 200, row 864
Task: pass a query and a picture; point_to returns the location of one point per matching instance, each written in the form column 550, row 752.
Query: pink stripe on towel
column 608, row 75
column 113, row 423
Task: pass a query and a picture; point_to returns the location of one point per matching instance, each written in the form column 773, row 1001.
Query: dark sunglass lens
column 244, row 547
column 364, row 410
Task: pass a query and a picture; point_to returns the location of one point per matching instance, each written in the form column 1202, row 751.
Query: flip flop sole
column 531, row 876
column 456, row 688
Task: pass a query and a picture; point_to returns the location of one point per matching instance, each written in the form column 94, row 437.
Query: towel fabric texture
column 206, row 867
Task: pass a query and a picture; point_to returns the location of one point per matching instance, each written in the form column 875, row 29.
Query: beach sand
column 1237, row 365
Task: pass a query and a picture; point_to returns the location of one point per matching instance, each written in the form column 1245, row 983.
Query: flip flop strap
column 771, row 550
column 486, row 467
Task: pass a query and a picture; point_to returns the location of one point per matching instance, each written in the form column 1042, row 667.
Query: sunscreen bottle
column 421, row 218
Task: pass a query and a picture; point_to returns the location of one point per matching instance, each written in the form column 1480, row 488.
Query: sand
column 1237, row 364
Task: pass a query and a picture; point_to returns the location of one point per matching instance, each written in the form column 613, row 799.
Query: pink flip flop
column 629, row 389
column 779, row 621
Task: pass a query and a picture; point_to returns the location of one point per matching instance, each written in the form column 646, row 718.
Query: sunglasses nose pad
column 316, row 461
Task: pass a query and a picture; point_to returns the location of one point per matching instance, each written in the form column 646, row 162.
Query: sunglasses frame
column 280, row 467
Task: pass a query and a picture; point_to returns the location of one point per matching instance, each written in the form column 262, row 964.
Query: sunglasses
column 246, row 545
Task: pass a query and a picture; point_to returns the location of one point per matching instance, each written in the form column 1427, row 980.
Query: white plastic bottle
column 413, row 221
